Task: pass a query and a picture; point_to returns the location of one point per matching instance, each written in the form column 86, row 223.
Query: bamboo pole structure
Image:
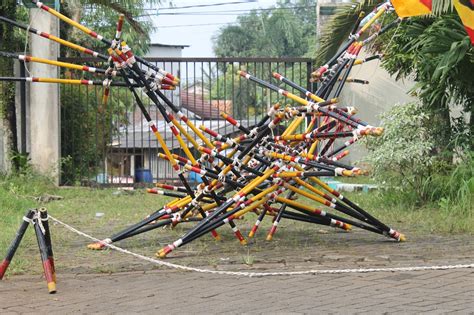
column 270, row 169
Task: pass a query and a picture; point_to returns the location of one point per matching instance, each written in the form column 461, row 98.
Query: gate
column 114, row 146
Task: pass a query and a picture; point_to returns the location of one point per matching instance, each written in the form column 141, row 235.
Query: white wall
column 160, row 51
column 372, row 99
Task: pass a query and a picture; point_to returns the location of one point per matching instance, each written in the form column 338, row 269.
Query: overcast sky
column 215, row 13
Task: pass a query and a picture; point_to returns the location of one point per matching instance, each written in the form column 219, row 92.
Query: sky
column 215, row 13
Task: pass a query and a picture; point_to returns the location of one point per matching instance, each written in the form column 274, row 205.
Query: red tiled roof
column 203, row 107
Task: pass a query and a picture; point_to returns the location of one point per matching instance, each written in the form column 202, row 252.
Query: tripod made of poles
column 38, row 218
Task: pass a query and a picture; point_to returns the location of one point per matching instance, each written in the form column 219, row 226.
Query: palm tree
column 126, row 7
column 340, row 24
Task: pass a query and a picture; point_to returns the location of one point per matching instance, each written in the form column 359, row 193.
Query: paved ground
column 129, row 285
column 183, row 292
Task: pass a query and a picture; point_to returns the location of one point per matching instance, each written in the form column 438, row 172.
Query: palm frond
column 338, row 28
column 123, row 7
column 442, row 6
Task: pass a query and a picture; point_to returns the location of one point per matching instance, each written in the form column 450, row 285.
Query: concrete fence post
column 44, row 122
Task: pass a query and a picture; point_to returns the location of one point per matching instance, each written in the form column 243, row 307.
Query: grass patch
column 356, row 180
column 429, row 218
column 80, row 205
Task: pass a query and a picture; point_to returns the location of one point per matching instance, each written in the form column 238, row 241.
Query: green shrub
column 402, row 157
column 412, row 171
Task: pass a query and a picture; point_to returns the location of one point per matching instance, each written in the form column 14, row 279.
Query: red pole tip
column 195, row 169
column 253, row 231
column 48, row 271
column 272, row 230
column 170, row 76
column 277, row 75
column 167, row 250
column 168, row 81
column 205, row 150
column 167, row 87
column 215, row 235
column 231, row 120
column 3, row 268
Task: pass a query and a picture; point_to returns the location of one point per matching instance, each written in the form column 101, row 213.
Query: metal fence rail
column 113, row 145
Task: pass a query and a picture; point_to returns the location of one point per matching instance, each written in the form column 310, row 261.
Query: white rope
column 27, row 37
column 37, row 217
column 263, row 274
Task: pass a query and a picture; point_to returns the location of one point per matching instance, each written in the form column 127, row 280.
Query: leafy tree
column 102, row 16
column 286, row 31
column 438, row 53
column 10, row 40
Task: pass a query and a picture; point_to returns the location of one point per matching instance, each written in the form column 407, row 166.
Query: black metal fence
column 113, row 144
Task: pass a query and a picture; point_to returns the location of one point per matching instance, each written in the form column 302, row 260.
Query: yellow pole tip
column 402, row 238
column 269, row 237
column 347, row 227
column 243, row 242
column 161, row 254
column 95, row 246
column 217, row 237
column 348, row 173
column 378, row 131
column 251, row 234
column 52, row 287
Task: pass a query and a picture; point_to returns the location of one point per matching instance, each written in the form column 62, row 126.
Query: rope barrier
column 263, row 274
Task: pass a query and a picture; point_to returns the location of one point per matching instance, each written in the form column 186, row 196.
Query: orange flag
column 406, row 8
column 465, row 10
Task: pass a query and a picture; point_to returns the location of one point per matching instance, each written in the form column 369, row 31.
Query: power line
column 203, row 5
column 227, row 12
column 189, row 25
